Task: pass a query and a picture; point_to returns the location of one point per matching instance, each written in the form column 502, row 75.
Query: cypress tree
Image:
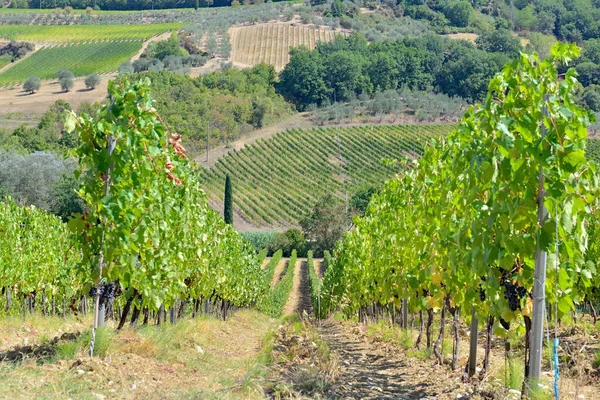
column 228, row 208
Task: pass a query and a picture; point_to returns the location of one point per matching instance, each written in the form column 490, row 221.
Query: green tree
column 500, row 41
column 91, row 81
column 591, row 97
column 126, row 68
column 459, row 13
column 591, row 51
column 337, row 8
column 325, row 224
column 66, row 201
column 589, row 73
column 64, row 73
column 303, row 78
column 165, row 48
column 228, row 206
column 67, row 83
column 32, row 84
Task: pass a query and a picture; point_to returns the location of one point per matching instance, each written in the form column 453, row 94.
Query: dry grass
column 16, row 331
column 203, row 358
column 501, row 372
column 469, row 37
column 271, row 42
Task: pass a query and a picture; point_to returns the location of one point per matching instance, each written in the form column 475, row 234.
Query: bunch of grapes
column 481, row 293
column 514, row 294
column 107, row 292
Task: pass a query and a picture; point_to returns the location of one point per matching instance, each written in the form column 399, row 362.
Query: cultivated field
column 271, row 43
column 277, row 181
column 82, row 33
column 81, row 59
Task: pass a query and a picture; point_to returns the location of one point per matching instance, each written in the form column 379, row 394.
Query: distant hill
column 278, row 180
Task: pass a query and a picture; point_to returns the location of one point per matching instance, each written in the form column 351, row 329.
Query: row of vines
column 457, row 231
column 271, row 43
column 147, row 232
column 318, row 162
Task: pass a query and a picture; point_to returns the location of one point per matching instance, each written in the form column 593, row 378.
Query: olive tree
column 32, row 84
column 91, row 81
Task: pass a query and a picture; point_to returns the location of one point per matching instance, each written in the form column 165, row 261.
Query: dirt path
column 13, row 100
column 319, row 266
column 371, row 372
column 279, row 269
column 300, row 120
column 157, row 38
column 299, row 300
column 294, row 299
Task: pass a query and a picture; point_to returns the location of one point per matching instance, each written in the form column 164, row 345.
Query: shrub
column 32, row 84
column 126, row 68
column 91, row 81
column 67, row 84
column 260, row 240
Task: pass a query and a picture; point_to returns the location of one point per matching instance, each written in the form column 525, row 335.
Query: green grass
column 278, row 180
column 5, row 60
column 80, row 33
column 81, row 59
column 279, row 295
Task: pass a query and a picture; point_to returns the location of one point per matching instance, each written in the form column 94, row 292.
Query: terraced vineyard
column 81, row 59
column 278, row 180
column 81, row 33
column 271, row 43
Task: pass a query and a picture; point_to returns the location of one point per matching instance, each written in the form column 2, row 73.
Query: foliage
column 314, row 285
column 591, row 98
column 92, row 80
column 500, row 41
column 48, row 135
column 272, row 265
column 459, row 13
column 288, row 242
column 31, row 179
column 165, row 48
column 219, row 104
column 29, row 237
column 228, row 202
column 462, row 224
column 155, row 232
column 359, row 202
column 126, row 68
column 32, row 84
column 66, row 83
column 16, row 49
column 325, row 225
column 64, row 73
column 337, row 8
column 81, row 59
column 338, row 70
column 260, row 240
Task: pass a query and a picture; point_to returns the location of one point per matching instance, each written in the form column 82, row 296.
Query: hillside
column 278, row 180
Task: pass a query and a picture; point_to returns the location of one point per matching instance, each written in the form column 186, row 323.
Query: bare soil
column 319, row 265
column 369, row 372
column 298, row 295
